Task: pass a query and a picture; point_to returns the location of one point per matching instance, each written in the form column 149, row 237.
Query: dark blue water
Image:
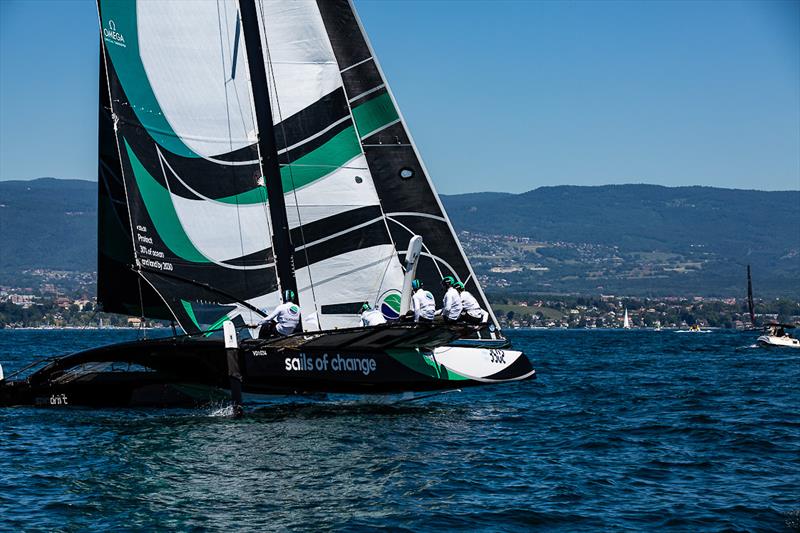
column 622, row 431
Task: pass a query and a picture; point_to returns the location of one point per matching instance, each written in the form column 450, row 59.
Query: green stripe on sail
column 332, row 155
column 189, row 311
column 158, row 202
column 120, row 34
column 215, row 326
column 374, row 114
column 253, row 196
column 329, row 157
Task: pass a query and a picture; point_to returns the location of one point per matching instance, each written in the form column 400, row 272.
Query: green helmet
column 459, row 286
column 365, row 307
column 288, row 295
column 416, row 284
column 448, row 281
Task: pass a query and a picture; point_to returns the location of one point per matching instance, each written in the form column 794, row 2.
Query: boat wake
column 221, row 411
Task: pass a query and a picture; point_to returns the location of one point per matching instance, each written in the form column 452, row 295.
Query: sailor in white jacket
column 283, row 319
column 471, row 310
column 370, row 316
column 451, row 303
column 422, row 303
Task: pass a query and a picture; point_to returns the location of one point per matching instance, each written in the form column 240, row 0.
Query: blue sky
column 504, row 96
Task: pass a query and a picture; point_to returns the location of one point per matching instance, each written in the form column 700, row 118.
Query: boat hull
column 772, row 341
column 188, row 372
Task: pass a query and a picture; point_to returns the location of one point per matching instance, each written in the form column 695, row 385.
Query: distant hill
column 720, row 229
column 48, row 223
column 733, row 223
column 51, row 223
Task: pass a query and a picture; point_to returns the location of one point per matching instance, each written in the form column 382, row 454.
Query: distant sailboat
column 750, row 306
column 626, row 323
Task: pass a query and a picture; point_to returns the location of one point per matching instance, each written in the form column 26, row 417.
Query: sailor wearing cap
column 422, row 303
column 471, row 311
column 451, row 303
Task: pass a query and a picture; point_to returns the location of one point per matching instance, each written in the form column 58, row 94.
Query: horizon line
column 2, row 180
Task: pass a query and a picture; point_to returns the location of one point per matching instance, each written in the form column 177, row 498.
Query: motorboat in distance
column 775, row 335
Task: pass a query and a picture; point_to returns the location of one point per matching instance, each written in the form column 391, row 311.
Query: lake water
column 622, row 430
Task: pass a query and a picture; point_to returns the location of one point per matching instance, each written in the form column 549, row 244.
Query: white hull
column 783, row 342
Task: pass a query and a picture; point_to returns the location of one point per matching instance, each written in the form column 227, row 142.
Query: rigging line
column 141, row 304
column 425, row 246
column 419, row 158
column 385, row 271
column 119, row 148
column 204, row 286
column 169, row 308
column 437, row 259
column 96, row 310
column 163, row 161
column 109, row 170
column 268, row 58
column 232, row 170
column 358, row 268
column 364, row 155
column 252, row 31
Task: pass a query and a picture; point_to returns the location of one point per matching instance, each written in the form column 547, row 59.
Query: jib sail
column 180, row 110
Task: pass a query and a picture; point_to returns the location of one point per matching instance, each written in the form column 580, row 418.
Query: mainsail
column 180, row 168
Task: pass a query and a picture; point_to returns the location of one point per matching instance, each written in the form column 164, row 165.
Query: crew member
column 451, row 303
column 370, row 316
column 283, row 319
column 422, row 303
column 471, row 311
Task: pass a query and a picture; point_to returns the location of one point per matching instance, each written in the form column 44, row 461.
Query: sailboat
column 249, row 148
column 626, row 323
column 751, row 308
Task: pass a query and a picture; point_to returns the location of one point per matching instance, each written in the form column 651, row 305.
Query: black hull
column 187, row 371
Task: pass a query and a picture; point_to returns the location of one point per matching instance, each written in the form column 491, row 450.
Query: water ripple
column 622, row 431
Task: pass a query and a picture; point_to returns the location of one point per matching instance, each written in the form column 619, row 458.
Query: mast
column 750, row 305
column 267, row 147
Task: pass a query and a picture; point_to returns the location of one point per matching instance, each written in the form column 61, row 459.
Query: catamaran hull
column 392, row 371
column 195, row 372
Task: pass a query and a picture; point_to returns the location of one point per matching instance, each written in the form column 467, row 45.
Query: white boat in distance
column 693, row 329
column 775, row 335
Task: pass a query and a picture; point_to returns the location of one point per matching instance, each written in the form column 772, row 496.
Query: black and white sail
column 407, row 195
column 185, row 138
column 186, row 226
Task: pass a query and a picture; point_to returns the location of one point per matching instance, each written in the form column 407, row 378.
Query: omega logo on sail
column 112, row 33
